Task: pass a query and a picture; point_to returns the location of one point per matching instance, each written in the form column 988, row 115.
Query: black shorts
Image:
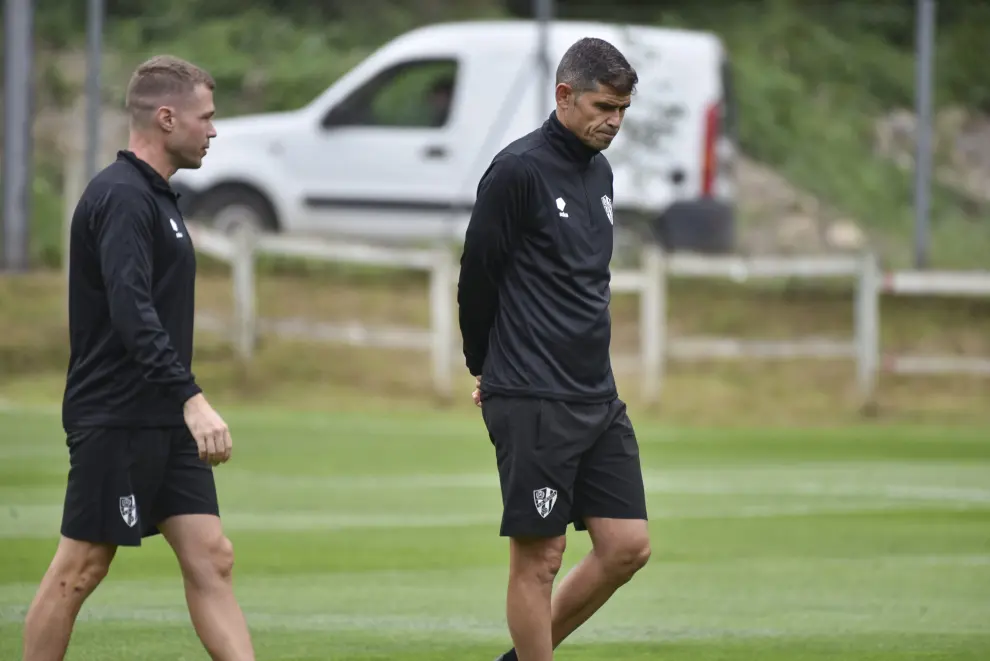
column 124, row 482
column 561, row 462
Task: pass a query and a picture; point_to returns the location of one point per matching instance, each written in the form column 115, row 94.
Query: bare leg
column 621, row 548
column 533, row 565
column 75, row 571
column 206, row 558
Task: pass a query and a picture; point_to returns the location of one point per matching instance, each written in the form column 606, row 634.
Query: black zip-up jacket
column 533, row 292
column 132, row 273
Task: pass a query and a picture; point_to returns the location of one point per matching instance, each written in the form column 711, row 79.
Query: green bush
column 810, row 88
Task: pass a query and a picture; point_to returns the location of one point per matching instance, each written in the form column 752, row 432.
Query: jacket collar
column 565, row 142
column 156, row 180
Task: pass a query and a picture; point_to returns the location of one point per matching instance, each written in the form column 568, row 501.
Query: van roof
column 456, row 34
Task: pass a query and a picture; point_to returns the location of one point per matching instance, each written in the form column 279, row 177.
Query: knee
column 539, row 560
column 553, row 557
column 625, row 559
column 79, row 567
column 223, row 557
column 215, row 561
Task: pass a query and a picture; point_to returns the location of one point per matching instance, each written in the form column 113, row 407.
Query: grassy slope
column 809, row 96
column 375, row 537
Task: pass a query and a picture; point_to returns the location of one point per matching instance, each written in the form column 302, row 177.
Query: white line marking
column 473, row 628
column 722, row 598
column 41, row 521
column 453, row 626
column 18, row 408
column 607, row 629
column 762, row 481
column 34, row 450
column 455, row 423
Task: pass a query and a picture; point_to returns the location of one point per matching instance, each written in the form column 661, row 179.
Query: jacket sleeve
column 123, row 231
column 496, row 220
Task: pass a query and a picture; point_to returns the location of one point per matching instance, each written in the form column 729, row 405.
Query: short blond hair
column 159, row 78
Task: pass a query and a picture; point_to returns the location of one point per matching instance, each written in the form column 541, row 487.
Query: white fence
column 955, row 284
column 241, row 250
column 650, row 283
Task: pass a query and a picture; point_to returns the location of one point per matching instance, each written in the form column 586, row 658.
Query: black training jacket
column 132, row 273
column 533, row 292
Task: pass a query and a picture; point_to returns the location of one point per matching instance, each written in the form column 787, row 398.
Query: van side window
column 413, row 94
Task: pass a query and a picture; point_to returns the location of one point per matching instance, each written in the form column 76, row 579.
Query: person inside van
column 439, row 96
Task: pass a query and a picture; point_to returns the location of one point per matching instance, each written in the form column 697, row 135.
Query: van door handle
column 435, row 151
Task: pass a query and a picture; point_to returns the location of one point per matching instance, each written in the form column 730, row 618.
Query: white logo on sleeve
column 128, row 510
column 607, row 203
column 545, row 499
column 560, row 207
column 175, row 228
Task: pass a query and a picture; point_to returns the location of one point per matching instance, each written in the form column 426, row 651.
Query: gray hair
column 591, row 62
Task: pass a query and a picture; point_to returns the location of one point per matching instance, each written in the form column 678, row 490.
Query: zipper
column 587, row 201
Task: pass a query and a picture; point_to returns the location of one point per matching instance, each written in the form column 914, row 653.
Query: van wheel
column 232, row 208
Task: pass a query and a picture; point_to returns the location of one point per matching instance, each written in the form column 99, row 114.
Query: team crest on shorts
column 128, row 510
column 544, row 499
column 607, row 203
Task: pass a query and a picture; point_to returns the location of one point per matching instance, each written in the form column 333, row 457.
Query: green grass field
column 362, row 536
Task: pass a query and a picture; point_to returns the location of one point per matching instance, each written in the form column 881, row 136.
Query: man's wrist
column 194, row 402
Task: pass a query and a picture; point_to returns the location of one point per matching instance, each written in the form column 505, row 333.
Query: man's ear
column 165, row 116
column 564, row 95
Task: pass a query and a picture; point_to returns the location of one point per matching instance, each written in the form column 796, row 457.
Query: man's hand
column 208, row 428
column 476, row 395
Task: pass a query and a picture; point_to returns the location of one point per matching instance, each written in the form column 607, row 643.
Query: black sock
column 510, row 655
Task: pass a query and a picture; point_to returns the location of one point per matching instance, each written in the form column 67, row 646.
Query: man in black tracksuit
column 142, row 438
column 533, row 299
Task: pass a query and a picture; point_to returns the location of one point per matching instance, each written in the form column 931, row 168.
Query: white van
column 395, row 148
